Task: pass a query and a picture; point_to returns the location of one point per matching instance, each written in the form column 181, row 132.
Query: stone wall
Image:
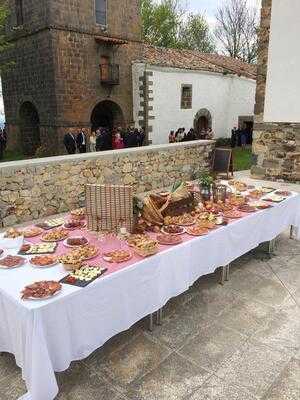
column 276, row 146
column 38, row 188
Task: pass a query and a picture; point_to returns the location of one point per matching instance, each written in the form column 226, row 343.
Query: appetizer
column 261, row 205
column 183, row 220
column 145, row 249
column 40, row 248
column 41, row 290
column 71, row 225
column 84, row 274
column 10, row 262
column 255, row 194
column 173, row 230
column 13, row 233
column 246, row 208
column 78, row 214
column 206, row 224
column 43, row 261
column 51, row 223
column 168, row 239
column 117, row 256
column 32, row 232
column 274, row 198
column 283, row 193
column 134, row 239
column 84, row 252
column 55, row 235
column 233, row 214
column 76, row 241
column 197, row 231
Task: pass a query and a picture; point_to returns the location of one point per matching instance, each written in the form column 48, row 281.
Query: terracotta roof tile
column 190, row 59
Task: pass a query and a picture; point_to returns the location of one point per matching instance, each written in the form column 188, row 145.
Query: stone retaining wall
column 38, row 188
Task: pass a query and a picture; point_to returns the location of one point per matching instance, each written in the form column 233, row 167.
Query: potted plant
column 205, row 184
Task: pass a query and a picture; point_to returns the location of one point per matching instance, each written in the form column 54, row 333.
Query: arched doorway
column 202, row 121
column 29, row 128
column 107, row 114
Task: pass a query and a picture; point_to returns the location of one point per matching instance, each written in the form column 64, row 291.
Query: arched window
column 101, row 12
column 19, row 12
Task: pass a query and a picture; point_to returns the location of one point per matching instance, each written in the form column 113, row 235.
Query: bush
column 223, row 142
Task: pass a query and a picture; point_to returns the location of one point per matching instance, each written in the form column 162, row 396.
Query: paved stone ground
column 237, row 342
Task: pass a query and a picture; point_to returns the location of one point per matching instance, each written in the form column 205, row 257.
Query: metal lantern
column 219, row 193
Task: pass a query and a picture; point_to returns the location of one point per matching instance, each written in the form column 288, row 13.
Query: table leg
column 159, row 316
column 227, row 273
column 292, row 232
column 223, row 275
column 271, row 247
column 151, row 322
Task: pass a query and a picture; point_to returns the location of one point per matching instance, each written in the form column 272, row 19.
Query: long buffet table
column 46, row 336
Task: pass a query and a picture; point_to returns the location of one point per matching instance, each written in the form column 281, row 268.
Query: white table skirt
column 47, row 336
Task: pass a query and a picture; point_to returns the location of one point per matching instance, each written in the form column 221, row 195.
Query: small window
column 101, row 12
column 186, row 96
column 19, row 12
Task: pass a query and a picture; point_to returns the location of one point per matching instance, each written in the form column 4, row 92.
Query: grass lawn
column 12, row 156
column 242, row 158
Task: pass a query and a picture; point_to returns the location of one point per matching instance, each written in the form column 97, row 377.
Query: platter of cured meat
column 10, row 262
column 41, row 290
column 168, row 240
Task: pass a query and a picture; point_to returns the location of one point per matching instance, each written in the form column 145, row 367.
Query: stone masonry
column 56, row 55
column 43, row 187
column 276, row 146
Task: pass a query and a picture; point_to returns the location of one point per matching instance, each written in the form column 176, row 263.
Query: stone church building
column 81, row 64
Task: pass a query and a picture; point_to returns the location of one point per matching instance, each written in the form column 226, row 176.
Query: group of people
column 3, row 142
column 241, row 137
column 103, row 139
column 181, row 135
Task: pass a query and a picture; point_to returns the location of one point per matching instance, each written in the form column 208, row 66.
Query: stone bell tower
column 71, row 69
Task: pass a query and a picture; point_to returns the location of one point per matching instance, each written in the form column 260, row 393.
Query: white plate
column 43, row 298
column 78, row 227
column 43, row 266
column 16, row 266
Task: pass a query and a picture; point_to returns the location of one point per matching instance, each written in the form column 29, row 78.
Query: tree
column 166, row 24
column 4, row 43
column 161, row 22
column 195, row 34
column 237, row 30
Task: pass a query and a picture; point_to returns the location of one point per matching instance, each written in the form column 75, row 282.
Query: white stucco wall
column 226, row 97
column 282, row 102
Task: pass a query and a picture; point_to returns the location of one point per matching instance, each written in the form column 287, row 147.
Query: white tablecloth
column 46, row 336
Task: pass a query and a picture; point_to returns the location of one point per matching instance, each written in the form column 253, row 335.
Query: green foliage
column 195, row 34
column 206, row 180
column 166, row 24
column 4, row 43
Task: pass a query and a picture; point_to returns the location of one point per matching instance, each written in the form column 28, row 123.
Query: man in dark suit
column 81, row 141
column 2, row 143
column 70, row 142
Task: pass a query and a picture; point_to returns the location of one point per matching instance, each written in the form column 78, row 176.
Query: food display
column 255, row 194
column 233, row 214
column 274, row 198
column 43, row 261
column 246, row 208
column 238, row 185
column 182, row 220
column 283, row 193
column 41, row 290
column 72, row 225
column 84, row 276
column 78, row 214
column 261, row 205
column 55, row 235
column 236, row 200
column 146, row 249
column 51, row 223
column 84, row 253
column 10, row 262
column 206, row 216
column 197, row 231
column 71, row 262
column 40, row 248
column 117, row 256
column 32, row 231
column 206, row 224
column 267, row 190
column 135, row 239
column 173, row 230
column 168, row 239
column 13, row 233
column 76, row 241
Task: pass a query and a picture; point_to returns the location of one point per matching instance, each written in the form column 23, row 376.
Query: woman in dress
column 93, row 142
column 118, row 142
